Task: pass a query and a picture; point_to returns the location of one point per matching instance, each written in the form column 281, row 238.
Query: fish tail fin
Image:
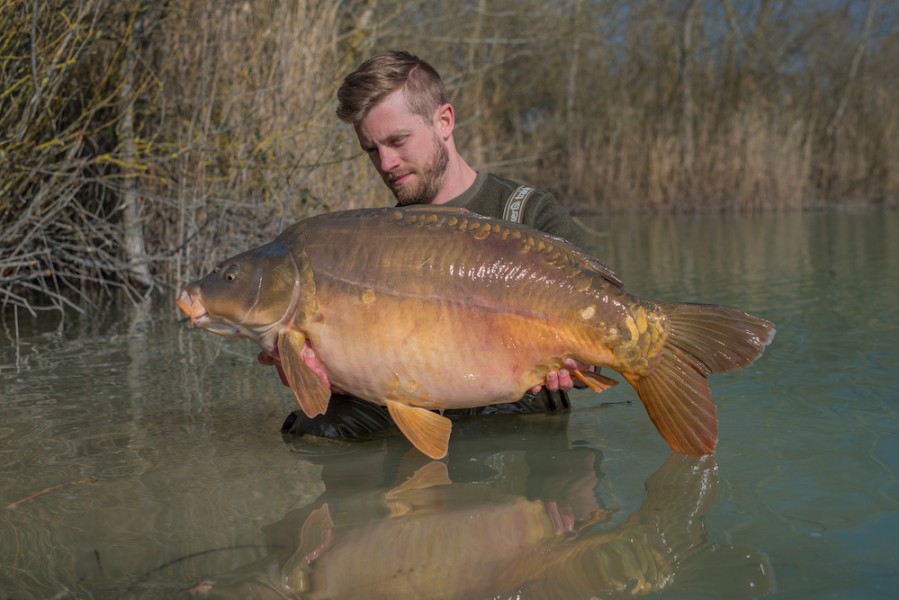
column 721, row 339
column 677, row 398
column 703, row 339
column 643, row 554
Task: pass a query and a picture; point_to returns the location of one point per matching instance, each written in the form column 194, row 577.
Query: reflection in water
column 455, row 530
column 174, row 440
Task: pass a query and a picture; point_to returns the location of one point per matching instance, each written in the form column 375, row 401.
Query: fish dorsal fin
column 428, row 431
column 307, row 387
column 436, row 209
column 594, row 381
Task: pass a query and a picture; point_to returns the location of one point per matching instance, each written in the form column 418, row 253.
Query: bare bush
column 142, row 141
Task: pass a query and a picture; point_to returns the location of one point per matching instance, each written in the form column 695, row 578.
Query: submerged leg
column 346, row 417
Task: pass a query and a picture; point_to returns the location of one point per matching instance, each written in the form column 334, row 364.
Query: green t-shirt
column 488, row 196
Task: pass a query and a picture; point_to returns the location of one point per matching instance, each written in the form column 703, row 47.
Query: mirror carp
column 427, row 308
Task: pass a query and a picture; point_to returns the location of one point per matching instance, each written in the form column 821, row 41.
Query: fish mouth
column 201, row 319
column 192, row 308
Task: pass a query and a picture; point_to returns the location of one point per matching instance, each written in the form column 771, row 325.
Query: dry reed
column 140, row 142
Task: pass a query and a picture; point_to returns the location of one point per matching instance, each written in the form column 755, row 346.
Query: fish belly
column 435, row 354
column 487, row 544
column 439, row 318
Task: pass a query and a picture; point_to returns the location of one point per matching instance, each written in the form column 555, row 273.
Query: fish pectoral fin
column 307, row 387
column 595, row 381
column 315, row 535
column 428, row 431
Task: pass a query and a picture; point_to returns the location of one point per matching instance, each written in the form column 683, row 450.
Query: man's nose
column 388, row 160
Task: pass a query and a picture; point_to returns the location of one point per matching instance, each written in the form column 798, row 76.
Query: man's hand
column 561, row 379
column 571, row 502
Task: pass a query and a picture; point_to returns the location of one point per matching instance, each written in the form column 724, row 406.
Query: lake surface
column 141, row 459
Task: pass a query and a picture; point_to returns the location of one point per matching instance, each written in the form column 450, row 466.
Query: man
column 399, row 108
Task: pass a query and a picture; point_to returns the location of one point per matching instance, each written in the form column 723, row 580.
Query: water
column 139, row 459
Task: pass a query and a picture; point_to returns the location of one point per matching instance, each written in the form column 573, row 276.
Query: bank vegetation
column 142, row 140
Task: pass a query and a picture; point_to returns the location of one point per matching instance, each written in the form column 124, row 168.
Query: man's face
column 407, row 151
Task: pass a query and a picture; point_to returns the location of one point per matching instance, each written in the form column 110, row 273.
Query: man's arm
column 547, row 215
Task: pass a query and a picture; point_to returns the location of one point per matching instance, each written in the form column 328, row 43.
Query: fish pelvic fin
column 428, row 431
column 703, row 339
column 430, row 475
column 307, row 387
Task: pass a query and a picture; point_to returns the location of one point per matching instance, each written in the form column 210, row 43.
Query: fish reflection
column 457, row 530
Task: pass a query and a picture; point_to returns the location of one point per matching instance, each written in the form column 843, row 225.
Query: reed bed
column 142, row 141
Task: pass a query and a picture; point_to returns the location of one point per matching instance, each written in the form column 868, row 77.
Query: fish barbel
column 427, row 308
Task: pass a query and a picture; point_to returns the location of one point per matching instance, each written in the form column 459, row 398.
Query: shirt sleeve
column 543, row 212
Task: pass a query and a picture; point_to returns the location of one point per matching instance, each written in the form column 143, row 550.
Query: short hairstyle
column 380, row 76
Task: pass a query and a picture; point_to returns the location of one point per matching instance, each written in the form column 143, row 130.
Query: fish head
column 249, row 295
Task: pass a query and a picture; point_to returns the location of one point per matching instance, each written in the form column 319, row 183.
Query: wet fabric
column 348, row 417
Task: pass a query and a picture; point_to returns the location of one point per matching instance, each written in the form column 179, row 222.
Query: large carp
column 427, row 308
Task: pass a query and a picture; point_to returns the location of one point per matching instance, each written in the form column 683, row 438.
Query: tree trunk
column 135, row 248
column 688, row 109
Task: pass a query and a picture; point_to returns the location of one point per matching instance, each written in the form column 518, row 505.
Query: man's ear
column 445, row 120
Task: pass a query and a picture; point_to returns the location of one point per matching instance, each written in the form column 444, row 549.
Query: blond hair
column 380, row 76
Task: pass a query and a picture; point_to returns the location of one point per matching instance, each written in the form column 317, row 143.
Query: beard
column 430, row 177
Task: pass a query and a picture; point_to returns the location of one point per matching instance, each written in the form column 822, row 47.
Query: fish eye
column 231, row 273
